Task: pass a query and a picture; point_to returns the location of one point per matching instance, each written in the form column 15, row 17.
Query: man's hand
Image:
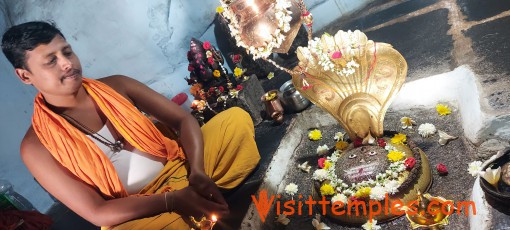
column 187, row 203
column 206, row 187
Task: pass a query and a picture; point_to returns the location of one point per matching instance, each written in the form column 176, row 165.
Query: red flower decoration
column 336, row 55
column 210, row 60
column 236, row 58
column 206, row 45
column 357, row 143
column 441, row 169
column 191, row 68
column 239, row 87
column 211, row 90
column 409, row 163
column 381, row 142
column 354, row 198
column 321, row 162
column 221, row 89
column 306, row 87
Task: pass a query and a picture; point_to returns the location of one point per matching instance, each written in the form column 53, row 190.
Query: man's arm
column 175, row 117
column 89, row 204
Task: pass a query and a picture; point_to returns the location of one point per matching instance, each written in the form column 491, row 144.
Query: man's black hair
column 26, row 37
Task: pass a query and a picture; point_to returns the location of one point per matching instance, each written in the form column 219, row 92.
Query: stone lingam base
column 296, row 148
column 364, row 163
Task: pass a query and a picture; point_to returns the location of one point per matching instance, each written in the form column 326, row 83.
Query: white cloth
column 135, row 168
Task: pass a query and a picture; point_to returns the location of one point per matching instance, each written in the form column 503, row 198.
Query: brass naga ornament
column 352, row 78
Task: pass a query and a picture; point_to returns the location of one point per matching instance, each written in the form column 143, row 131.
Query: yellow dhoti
column 230, row 154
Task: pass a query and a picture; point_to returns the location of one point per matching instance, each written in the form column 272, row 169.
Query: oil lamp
column 432, row 212
column 204, row 223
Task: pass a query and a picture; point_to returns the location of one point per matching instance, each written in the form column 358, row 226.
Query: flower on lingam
column 491, row 175
column 395, row 156
column 291, row 189
column 363, row 192
column 341, row 145
column 339, row 197
column 320, row 174
column 407, row 122
column 443, row 110
column 474, row 168
column 426, row 130
column 327, row 189
column 399, row 138
column 377, row 193
column 315, row 135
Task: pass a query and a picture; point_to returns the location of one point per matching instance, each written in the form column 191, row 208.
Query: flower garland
column 282, row 14
column 386, row 182
column 329, row 56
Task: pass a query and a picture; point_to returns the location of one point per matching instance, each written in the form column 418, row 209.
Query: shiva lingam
column 204, row 223
column 355, row 80
column 430, row 213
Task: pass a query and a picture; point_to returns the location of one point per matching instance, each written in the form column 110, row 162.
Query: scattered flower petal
column 441, row 169
column 318, row 225
column 491, row 175
column 371, row 225
column 270, row 75
column 315, row 135
column 339, row 136
column 291, row 189
column 444, row 137
column 305, row 167
column 399, row 138
column 443, row 110
column 407, row 122
column 282, row 219
column 474, row 168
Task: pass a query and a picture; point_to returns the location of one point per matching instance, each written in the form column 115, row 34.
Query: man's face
column 52, row 68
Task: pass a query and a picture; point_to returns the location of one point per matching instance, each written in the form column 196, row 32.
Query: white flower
column 339, row 197
column 377, row 193
column 407, row 122
column 426, row 130
column 339, row 136
column 348, row 192
column 322, row 150
column 491, row 175
column 392, row 186
column 474, row 168
column 371, row 225
column 291, row 189
column 320, row 174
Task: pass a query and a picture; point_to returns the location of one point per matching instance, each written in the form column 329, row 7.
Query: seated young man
column 91, row 148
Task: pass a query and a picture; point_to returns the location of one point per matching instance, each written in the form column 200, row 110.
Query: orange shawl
column 82, row 156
